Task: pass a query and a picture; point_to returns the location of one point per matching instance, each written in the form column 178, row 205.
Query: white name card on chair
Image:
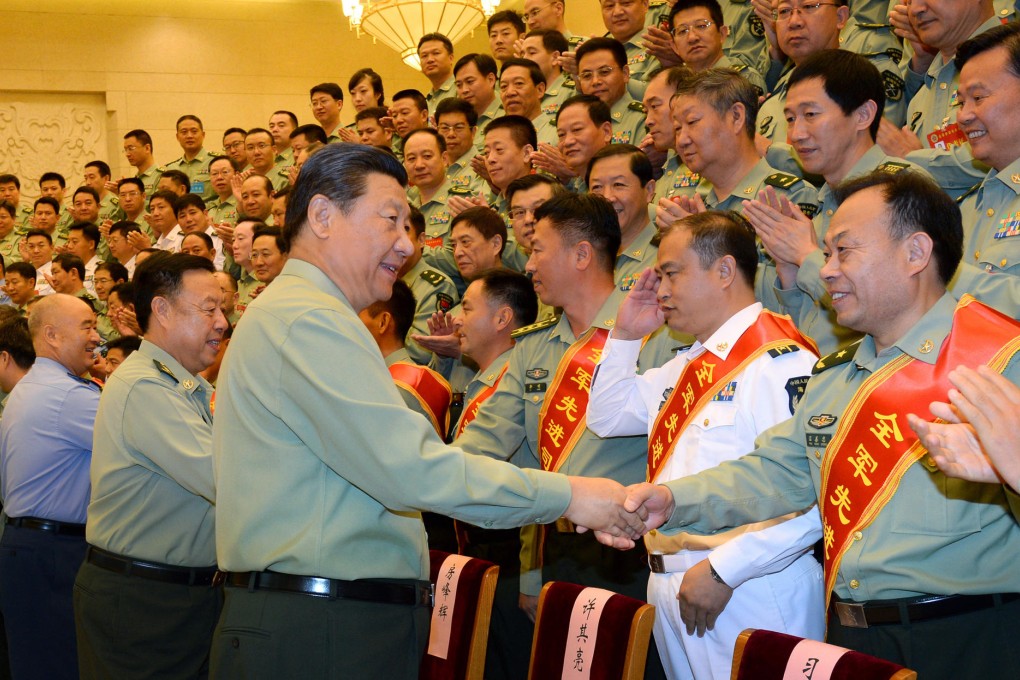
column 582, row 633
column 812, row 660
column 446, row 599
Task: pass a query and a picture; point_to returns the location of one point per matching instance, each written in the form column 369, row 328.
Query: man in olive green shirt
column 144, row 597
column 930, row 581
column 328, row 559
column 195, row 161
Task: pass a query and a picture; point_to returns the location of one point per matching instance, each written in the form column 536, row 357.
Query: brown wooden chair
column 765, row 654
column 469, row 624
column 619, row 648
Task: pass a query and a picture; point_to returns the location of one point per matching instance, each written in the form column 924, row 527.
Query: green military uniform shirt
column 808, row 302
column 635, row 257
column 492, row 112
column 461, row 176
column 628, row 117
column 448, row 90
column 558, row 91
column 248, row 288
column 677, row 180
column 279, row 176
column 435, row 210
column 746, row 41
column 434, row 292
column 343, row 503
column 640, row 64
column 545, row 129
column 749, row 72
column 150, row 178
column 991, row 222
column 23, row 219
column 153, row 492
column 197, row 170
column 109, row 209
column 104, row 326
column 223, row 210
column 761, row 175
column 9, row 247
column 937, row 535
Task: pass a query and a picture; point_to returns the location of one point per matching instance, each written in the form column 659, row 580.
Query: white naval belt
column 661, row 563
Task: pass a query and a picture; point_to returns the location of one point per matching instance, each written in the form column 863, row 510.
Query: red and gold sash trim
column 873, row 448
column 471, row 410
column 702, row 377
column 430, row 389
column 561, row 421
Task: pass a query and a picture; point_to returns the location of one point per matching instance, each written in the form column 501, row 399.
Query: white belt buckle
column 851, row 614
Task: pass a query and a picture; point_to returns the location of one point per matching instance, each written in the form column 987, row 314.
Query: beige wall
column 231, row 62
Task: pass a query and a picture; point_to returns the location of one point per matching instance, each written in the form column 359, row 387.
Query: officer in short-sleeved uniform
column 9, row 247
column 150, row 178
column 494, row 111
column 223, row 210
column 109, row 209
column 447, row 90
column 637, row 256
column 153, row 497
column 762, row 175
column 558, row 91
column 434, row 292
column 461, row 175
column 676, row 180
column 197, row 170
column 545, row 128
column 640, row 64
column 991, row 222
column 628, row 117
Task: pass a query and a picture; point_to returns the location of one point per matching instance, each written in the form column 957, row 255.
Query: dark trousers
column 508, row 653
column 275, row 635
column 580, row 559
column 130, row 627
column 37, row 571
column 981, row 644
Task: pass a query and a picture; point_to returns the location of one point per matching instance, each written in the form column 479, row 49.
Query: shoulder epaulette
column 459, row 190
column 432, row 276
column 782, row 180
column 162, row 368
column 892, row 167
column 114, row 200
column 569, row 82
column 656, row 3
column 215, row 154
column 160, row 168
column 575, row 40
column 968, row 192
column 636, row 106
column 783, row 349
column 544, row 323
column 873, row 27
column 837, row 358
column 896, row 54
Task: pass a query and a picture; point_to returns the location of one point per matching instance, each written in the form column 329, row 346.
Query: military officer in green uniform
column 603, row 72
column 10, row 191
column 544, row 47
column 373, row 463
column 9, row 238
column 843, row 151
column 433, row 290
column 97, row 176
column 195, row 161
column 435, row 53
column 138, row 152
column 457, row 122
column 223, row 208
column 676, row 178
column 926, row 538
column 714, row 111
column 144, row 596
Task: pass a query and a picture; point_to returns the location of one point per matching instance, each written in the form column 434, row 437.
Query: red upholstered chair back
column 764, row 655
column 469, row 627
column 617, row 652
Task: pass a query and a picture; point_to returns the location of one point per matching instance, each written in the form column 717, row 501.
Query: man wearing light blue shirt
column 45, row 453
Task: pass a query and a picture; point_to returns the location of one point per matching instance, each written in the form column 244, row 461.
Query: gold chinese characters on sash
column 561, row 421
column 705, row 375
column 873, row 447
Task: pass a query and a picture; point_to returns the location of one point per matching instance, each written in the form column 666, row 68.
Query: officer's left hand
column 701, row 599
column 659, row 43
column 787, row 233
column 896, row 141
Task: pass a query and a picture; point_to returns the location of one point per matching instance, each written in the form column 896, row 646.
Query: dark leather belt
column 417, row 593
column 903, row 612
column 58, row 528
column 152, row 571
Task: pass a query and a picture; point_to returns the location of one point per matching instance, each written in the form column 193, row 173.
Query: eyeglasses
column 129, row 194
column 536, row 11
column 602, row 73
column 458, row 128
column 261, row 146
column 233, row 145
column 699, row 27
column 321, row 102
column 520, row 213
column 786, row 13
column 104, row 279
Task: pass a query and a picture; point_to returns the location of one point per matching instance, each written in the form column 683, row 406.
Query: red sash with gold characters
column 561, row 421
column 431, row 390
column 471, row 410
column 702, row 377
column 872, row 449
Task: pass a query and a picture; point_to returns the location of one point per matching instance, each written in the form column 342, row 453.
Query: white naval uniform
column 777, row 582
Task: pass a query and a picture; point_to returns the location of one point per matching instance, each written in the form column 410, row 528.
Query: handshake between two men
column 618, row 515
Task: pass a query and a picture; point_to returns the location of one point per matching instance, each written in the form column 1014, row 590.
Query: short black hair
column 162, row 276
column 435, row 37
column 374, row 78
column 612, row 45
column 530, row 182
column 332, row 89
column 53, row 177
column 312, row 132
column 849, row 80
column 290, row 116
column 374, row 112
column 401, row 305
column 189, row 201
column 234, row 131
column 534, row 71
column 69, row 263
column 44, row 200
column 916, row 203
column 177, row 177
column 431, row 132
column 126, row 290
column 88, row 230
column 165, row 195
column 339, row 172
column 414, row 95
column 485, row 64
column 275, row 232
column 189, row 116
column 552, row 40
column 143, row 137
column 522, row 130
column 116, row 270
column 86, row 190
column 639, row 163
column 486, row 220
column 17, row 342
column 455, row 105
column 714, row 11
column 102, row 166
column 121, row 183
column 598, row 112
column 717, row 233
column 1006, row 35
column 39, row 232
column 124, row 227
column 585, row 217
column 507, row 16
column 416, row 220
column 127, row 344
column 205, row 238
column 8, row 178
column 513, row 289
column 23, row 269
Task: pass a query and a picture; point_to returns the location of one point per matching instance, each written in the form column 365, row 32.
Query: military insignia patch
column 764, row 127
column 756, row 25
column 536, row 373
column 532, row 388
column 444, row 303
column 1008, row 226
column 783, row 349
column 628, row 282
column 817, row 441
column 822, row 421
column 781, row 180
column 727, row 393
column 665, row 397
column 893, row 86
column 795, row 388
column 809, row 209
